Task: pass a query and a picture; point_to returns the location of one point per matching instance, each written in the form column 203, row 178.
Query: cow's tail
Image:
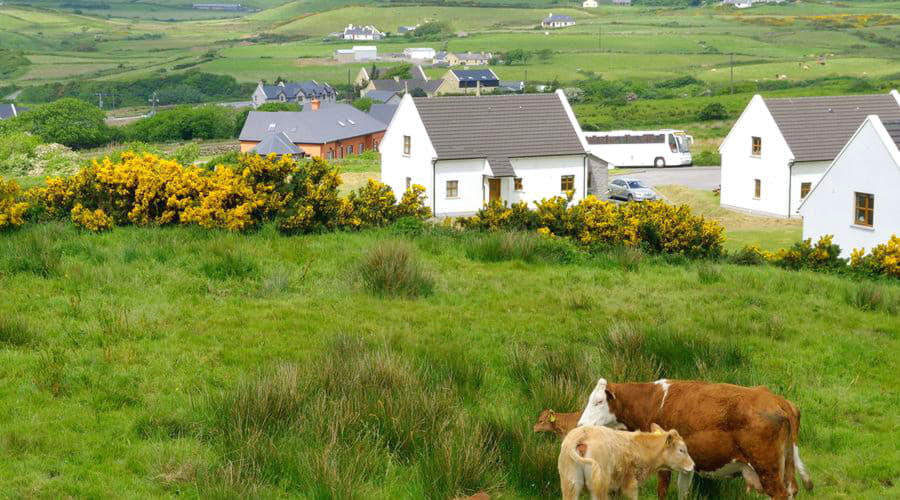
column 795, row 448
column 577, row 458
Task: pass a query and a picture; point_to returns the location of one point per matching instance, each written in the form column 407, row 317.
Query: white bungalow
column 468, row 151
column 779, row 148
column 858, row 198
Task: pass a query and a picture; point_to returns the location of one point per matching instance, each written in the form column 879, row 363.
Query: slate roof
column 559, row 18
column 278, row 143
column 499, row 128
column 329, row 123
column 310, row 88
column 468, row 56
column 10, row 111
column 361, row 30
column 429, row 86
column 383, row 112
column 817, row 128
column 381, row 95
column 893, row 129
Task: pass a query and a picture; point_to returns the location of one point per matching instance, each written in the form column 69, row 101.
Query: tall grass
column 36, row 251
column 392, row 269
column 15, row 332
column 519, row 245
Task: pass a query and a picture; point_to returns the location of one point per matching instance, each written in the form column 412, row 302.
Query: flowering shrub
column 91, row 220
column 656, row 226
column 12, row 209
column 884, row 259
column 804, row 255
column 311, row 202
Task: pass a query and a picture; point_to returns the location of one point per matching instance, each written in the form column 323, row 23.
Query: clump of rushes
column 392, row 269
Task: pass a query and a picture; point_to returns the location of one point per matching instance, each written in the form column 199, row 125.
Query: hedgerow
column 824, row 255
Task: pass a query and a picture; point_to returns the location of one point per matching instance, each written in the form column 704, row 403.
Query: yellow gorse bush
column 656, row 226
column 91, row 220
column 12, row 208
column 883, row 259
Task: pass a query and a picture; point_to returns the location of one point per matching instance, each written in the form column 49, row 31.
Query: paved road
column 693, row 177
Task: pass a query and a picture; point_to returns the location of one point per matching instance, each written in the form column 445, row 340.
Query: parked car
column 624, row 188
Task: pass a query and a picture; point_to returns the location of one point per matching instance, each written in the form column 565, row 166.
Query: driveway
column 705, row 178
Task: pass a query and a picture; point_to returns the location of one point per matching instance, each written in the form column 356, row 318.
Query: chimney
column 314, row 105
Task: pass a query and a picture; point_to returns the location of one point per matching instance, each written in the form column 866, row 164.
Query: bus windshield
column 684, row 145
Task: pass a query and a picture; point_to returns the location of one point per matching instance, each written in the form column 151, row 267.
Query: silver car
column 624, row 188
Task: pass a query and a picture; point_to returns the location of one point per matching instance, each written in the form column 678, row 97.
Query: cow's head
column 546, row 421
column 674, row 454
column 598, row 411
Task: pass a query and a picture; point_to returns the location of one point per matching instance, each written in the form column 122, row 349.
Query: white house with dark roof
column 468, row 151
column 557, row 21
column 362, row 33
column 299, row 92
column 779, row 148
column 858, row 198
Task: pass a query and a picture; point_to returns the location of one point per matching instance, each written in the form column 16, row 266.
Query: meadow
column 181, row 361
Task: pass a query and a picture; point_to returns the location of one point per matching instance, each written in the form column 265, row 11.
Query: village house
column 362, row 33
column 419, row 83
column 468, row 151
column 858, row 198
column 419, row 53
column 469, row 81
column 445, row 58
column 299, row 92
column 384, row 96
column 557, row 21
column 328, row 131
column 474, row 59
column 779, row 148
column 589, row 4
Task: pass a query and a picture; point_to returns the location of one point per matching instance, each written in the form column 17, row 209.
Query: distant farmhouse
column 589, row 4
column 406, row 29
column 10, row 111
column 419, row 82
column 328, row 131
column 557, row 21
column 469, row 81
column 369, row 33
column 300, row 92
column 779, row 149
column 444, row 58
column 857, row 201
column 357, row 53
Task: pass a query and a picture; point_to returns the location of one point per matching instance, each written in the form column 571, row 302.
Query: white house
column 419, row 53
column 589, row 4
column 557, row 21
column 468, row 151
column 858, row 198
column 779, row 148
column 352, row 32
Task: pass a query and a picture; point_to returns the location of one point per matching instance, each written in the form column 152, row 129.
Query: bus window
column 673, row 145
column 684, row 144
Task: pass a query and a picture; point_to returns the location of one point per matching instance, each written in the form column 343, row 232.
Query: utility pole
column 732, row 73
column 100, row 97
column 153, row 102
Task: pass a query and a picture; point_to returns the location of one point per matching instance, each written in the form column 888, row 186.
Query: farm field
column 193, row 362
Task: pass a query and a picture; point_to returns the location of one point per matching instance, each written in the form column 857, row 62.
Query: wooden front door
column 494, row 185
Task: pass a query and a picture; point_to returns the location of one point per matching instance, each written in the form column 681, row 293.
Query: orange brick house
column 331, row 131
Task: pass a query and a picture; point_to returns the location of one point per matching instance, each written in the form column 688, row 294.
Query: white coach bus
column 641, row 148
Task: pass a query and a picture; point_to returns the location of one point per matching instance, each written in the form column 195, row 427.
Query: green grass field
column 161, row 362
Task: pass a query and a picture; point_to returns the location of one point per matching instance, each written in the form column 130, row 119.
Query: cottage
column 10, row 111
column 419, row 83
column 589, row 4
column 557, row 21
column 299, row 92
column 474, row 59
column 445, row 58
column 465, row 81
column 419, row 53
column 384, row 96
column 468, row 151
column 365, row 33
column 328, row 131
column 779, row 148
column 858, row 198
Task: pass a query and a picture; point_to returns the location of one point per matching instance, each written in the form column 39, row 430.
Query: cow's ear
column 656, row 429
column 609, row 395
column 670, row 439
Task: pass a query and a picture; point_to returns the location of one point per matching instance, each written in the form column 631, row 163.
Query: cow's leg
column 684, row 484
column 752, row 479
column 662, row 484
column 630, row 489
column 772, row 482
column 571, row 490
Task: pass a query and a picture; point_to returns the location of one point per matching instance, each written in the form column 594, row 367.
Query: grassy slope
column 136, row 329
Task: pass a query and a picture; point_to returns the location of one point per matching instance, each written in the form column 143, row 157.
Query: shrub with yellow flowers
column 91, row 220
column 12, row 208
column 312, row 203
column 500, row 215
column 883, row 259
column 825, row 254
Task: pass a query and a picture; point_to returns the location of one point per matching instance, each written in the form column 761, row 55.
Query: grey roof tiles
column 329, row 123
column 817, row 128
column 893, row 128
column 499, row 128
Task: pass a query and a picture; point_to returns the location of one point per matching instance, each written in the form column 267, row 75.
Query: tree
column 71, row 122
column 374, row 72
column 713, row 111
column 363, row 104
column 517, row 56
column 401, row 71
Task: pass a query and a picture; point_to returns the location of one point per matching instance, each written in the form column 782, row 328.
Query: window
column 756, row 147
column 329, row 154
column 408, row 183
column 350, row 150
column 362, row 148
column 407, row 144
column 757, row 188
column 865, row 209
column 452, row 189
column 805, row 187
column 518, row 183
column 567, row 183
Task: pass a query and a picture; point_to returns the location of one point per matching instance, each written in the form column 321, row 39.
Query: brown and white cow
column 729, row 430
